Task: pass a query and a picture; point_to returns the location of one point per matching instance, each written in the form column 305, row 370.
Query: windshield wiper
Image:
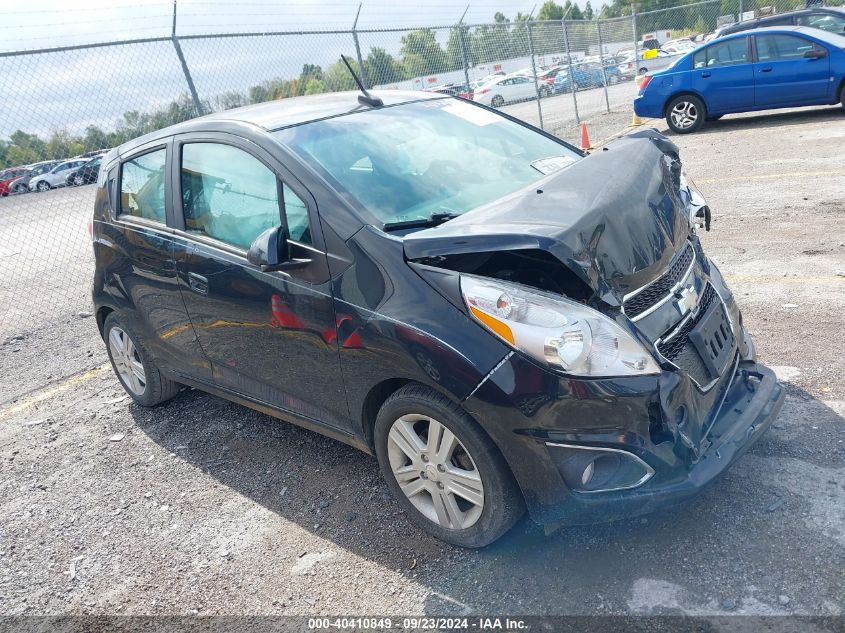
column 434, row 219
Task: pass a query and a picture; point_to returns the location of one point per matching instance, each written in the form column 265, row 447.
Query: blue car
column 585, row 75
column 762, row 69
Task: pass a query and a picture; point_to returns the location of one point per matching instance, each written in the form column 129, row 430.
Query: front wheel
column 545, row 92
column 498, row 101
column 78, row 180
column 43, row 186
column 685, row 114
column 445, row 471
column 133, row 367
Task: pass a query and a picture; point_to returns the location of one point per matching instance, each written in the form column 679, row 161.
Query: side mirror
column 270, row 252
column 815, row 53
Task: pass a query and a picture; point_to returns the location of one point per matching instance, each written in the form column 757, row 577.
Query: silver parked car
column 56, row 176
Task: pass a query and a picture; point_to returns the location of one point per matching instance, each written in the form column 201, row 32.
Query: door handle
column 767, row 69
column 198, row 283
column 705, row 74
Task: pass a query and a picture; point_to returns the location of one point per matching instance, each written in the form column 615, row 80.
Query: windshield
column 412, row 161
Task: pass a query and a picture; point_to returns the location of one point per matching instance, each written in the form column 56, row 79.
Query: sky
column 72, row 89
column 46, row 23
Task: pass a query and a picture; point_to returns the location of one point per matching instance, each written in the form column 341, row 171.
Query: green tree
column 382, row 68
column 550, row 10
column 588, row 11
column 315, row 87
column 422, row 53
column 229, row 100
column 337, row 76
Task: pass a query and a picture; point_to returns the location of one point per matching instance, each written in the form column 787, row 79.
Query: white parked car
column 56, row 176
column 502, row 90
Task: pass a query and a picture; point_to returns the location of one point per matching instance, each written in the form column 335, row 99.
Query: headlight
column 699, row 212
column 563, row 334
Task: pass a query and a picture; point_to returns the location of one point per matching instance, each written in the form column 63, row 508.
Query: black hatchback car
column 505, row 322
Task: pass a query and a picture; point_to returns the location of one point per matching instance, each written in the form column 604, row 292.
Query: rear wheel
column 133, row 367
column 444, row 470
column 497, row 101
column 685, row 114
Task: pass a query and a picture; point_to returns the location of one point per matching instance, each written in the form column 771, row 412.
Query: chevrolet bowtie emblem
column 687, row 299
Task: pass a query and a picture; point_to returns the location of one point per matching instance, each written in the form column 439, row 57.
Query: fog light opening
column 591, row 469
column 587, row 475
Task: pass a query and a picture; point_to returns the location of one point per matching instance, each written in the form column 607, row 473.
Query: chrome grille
column 680, row 351
column 653, row 293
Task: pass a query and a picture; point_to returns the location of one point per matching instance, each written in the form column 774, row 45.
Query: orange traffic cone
column 585, row 138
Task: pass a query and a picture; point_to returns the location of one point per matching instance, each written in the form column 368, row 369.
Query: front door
column 270, row 336
column 784, row 77
column 722, row 73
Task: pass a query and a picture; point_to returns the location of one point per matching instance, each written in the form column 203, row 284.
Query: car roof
column 282, row 113
column 833, row 39
column 744, row 25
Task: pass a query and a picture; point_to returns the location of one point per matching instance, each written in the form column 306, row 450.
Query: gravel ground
column 202, row 506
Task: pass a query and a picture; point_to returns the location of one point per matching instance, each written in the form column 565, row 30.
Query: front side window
column 410, row 161
column 728, row 53
column 142, row 186
column 227, row 193
column 823, row 21
column 781, row 47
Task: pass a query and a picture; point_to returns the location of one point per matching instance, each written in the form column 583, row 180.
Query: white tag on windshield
column 552, row 164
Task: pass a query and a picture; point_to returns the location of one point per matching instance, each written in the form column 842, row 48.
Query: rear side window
column 727, row 53
column 142, row 186
column 781, row 47
column 832, row 23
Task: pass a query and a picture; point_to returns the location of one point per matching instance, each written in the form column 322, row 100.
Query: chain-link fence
column 66, row 103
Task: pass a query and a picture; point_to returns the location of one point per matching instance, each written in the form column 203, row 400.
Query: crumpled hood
column 615, row 217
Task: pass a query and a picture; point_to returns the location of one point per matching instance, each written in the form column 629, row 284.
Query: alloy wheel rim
column 684, row 115
column 127, row 361
column 435, row 471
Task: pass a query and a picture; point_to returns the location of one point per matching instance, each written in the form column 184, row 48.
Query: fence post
column 603, row 68
column 739, row 17
column 534, row 72
column 571, row 76
column 464, row 58
column 361, row 68
column 190, row 81
column 636, row 46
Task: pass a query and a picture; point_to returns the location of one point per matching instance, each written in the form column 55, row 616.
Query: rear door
column 270, row 336
column 784, row 77
column 140, row 273
column 723, row 74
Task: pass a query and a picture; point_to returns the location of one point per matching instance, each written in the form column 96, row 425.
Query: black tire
column 19, row 189
column 503, row 504
column 842, row 96
column 43, row 185
column 545, row 92
column 157, row 389
column 685, row 114
column 497, row 101
column 643, row 71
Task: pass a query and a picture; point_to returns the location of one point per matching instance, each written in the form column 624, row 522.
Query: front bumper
column 527, row 410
